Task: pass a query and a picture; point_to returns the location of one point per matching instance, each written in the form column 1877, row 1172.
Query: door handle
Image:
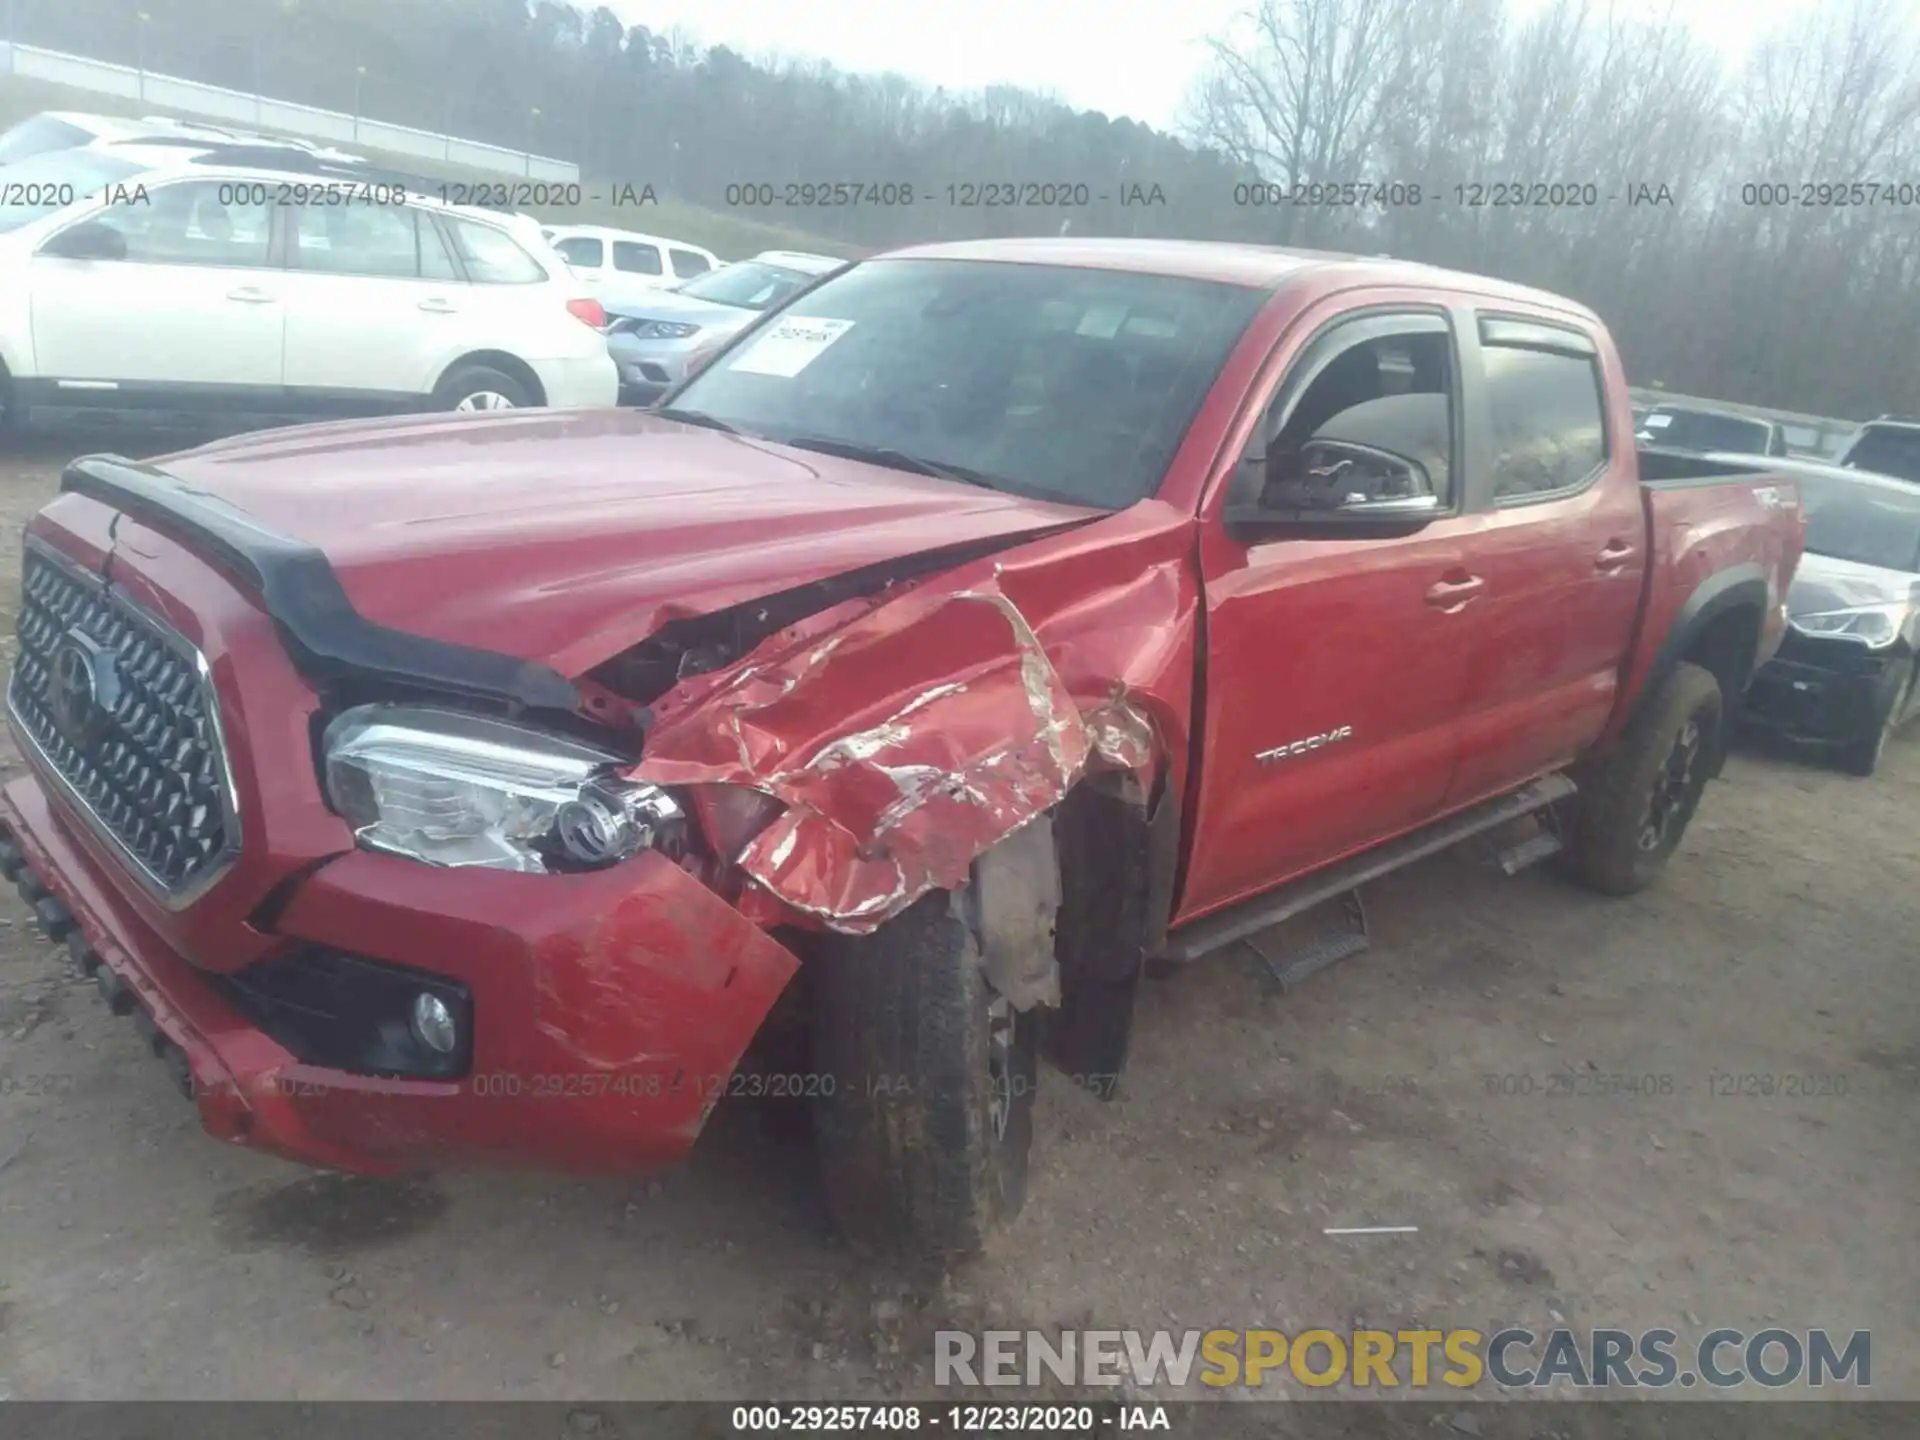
column 250, row 295
column 1613, row 555
column 1452, row 594
column 436, row 306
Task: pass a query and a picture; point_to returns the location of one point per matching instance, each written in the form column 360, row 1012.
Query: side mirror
column 1340, row 477
column 89, row 240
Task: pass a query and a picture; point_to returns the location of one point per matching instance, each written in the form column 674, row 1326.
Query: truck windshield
column 1704, row 430
column 1058, row 382
column 1887, row 450
column 1865, row 521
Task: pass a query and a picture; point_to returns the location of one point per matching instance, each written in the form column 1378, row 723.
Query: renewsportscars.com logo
column 1510, row 1359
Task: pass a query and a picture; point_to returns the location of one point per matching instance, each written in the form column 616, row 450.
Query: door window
column 635, row 258
column 197, row 222
column 1549, row 427
column 686, row 263
column 364, row 240
column 1375, row 416
column 581, row 250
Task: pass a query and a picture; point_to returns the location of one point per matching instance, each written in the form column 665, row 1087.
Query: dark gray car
column 1848, row 672
column 651, row 337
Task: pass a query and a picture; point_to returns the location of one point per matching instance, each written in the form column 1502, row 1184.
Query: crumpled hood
column 564, row 537
column 1824, row 582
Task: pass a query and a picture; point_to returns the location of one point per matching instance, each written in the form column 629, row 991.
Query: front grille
column 118, row 707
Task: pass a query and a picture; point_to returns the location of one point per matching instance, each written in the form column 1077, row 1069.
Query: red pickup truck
column 996, row 623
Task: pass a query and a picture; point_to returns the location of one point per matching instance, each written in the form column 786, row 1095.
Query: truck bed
column 1663, row 467
column 1719, row 529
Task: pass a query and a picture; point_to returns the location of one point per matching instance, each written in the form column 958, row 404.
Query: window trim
column 1546, row 337
column 1378, row 321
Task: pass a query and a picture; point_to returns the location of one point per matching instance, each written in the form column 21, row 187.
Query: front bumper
column 641, row 391
column 649, row 368
column 609, row 1009
column 1819, row 690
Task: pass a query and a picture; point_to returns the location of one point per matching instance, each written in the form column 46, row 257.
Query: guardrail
column 215, row 102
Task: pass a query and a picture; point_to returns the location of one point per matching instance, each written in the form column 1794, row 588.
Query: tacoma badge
column 1301, row 747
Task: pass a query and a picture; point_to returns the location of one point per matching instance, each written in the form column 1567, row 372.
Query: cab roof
column 1263, row 267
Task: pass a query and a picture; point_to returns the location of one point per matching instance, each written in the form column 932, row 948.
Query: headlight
column 662, row 329
column 1875, row 626
column 451, row 788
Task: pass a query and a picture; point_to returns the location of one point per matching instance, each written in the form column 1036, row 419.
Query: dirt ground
column 140, row 1259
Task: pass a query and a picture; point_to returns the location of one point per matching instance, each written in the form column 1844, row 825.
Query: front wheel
column 1862, row 755
column 927, row 1079
column 1636, row 800
column 481, row 387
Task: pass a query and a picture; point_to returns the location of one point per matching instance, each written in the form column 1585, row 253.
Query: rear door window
column 1549, row 427
column 364, row 240
column 635, row 258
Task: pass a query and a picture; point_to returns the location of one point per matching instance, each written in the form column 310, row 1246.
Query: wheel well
column 506, row 364
column 1118, row 847
column 1725, row 647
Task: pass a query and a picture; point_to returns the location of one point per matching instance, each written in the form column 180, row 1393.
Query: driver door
column 1337, row 654
column 195, row 308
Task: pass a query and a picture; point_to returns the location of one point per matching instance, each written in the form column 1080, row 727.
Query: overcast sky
column 1122, row 57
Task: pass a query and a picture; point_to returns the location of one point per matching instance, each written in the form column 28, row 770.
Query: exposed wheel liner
column 326, row 637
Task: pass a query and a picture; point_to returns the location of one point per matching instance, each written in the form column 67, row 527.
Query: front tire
column 1862, row 755
column 924, row 1138
column 1635, row 801
column 480, row 388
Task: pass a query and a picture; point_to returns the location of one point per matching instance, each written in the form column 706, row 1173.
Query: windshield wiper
column 891, row 458
column 697, row 417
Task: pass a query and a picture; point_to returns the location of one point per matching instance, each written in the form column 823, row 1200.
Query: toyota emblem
column 76, row 675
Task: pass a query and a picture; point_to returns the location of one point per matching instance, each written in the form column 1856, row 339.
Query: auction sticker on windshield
column 790, row 346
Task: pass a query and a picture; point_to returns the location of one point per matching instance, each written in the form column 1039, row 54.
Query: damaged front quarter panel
column 905, row 737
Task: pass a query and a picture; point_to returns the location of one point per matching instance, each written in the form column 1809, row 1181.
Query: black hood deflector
column 327, row 639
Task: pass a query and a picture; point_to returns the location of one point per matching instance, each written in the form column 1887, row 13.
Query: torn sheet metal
column 890, row 797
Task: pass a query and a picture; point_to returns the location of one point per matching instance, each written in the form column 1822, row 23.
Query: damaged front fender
column 903, row 741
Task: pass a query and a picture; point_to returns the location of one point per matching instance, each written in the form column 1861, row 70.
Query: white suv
column 164, row 285
column 620, row 264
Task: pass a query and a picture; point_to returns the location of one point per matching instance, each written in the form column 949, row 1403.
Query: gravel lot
column 140, row 1259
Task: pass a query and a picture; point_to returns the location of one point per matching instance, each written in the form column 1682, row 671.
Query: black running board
column 1249, row 917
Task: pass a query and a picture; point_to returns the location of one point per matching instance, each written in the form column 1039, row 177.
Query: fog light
column 433, row 1023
